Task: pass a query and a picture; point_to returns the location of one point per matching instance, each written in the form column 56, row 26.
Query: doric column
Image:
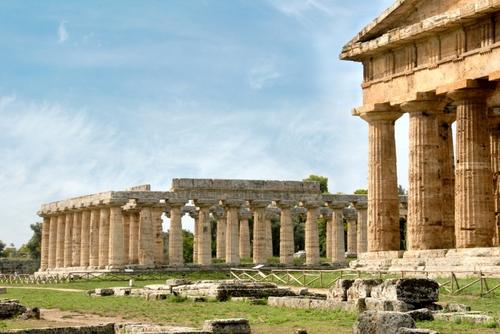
column 352, row 230
column 196, row 234
column 61, row 227
column 220, row 249
column 85, row 242
column 146, row 237
column 77, row 239
column 474, row 209
column 133, row 252
column 259, row 231
column 205, row 232
column 175, row 239
column 383, row 200
column 338, row 242
column 447, row 162
column 232, row 209
column 44, row 256
column 286, row 232
column 94, row 238
column 126, row 237
column 361, row 208
column 425, row 217
column 53, row 242
column 158, row 235
column 311, row 232
column 326, row 214
column 116, row 252
column 270, row 215
column 245, row 251
column 104, row 237
column 495, row 166
column 68, row 249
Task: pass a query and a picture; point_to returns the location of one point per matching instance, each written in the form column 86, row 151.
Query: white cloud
column 62, row 32
column 263, row 75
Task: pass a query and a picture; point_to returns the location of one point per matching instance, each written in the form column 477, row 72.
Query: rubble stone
column 31, row 313
column 415, row 291
column 10, row 308
column 362, row 288
column 415, row 331
column 373, row 322
column 227, row 326
column 339, row 290
column 376, row 304
column 423, row 314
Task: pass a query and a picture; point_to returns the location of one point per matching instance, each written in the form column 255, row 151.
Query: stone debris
column 415, row 291
column 451, row 307
column 31, row 313
column 373, row 322
column 339, row 290
column 415, row 331
column 387, row 305
column 122, row 291
column 474, row 317
column 227, row 326
column 10, row 308
column 300, row 331
column 362, row 288
column 423, row 314
column 102, row 292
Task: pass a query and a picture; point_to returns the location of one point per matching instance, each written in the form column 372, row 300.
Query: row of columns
column 449, row 204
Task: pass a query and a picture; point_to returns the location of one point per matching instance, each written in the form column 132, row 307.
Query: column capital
column 311, row 204
column 232, row 203
column 380, row 112
column 337, row 205
column 272, row 213
column 175, row 202
column 259, row 204
column 245, row 213
column 360, row 205
column 205, row 203
column 425, row 103
column 470, row 94
column 326, row 212
column 285, row 204
column 350, row 214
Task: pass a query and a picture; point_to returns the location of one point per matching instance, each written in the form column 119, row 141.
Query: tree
column 34, row 245
column 2, row 247
column 402, row 191
column 361, row 192
column 187, row 247
column 323, row 182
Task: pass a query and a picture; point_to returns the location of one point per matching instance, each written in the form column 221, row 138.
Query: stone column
column 146, row 237
column 158, row 234
column 474, row 209
column 338, row 242
column 116, row 252
column 383, row 199
column 221, row 217
column 77, row 239
column 448, row 179
column 104, row 237
column 175, row 239
column 205, row 233
column 259, row 231
column 232, row 209
column 425, row 215
column 195, row 215
column 94, row 238
column 286, row 232
column 311, row 233
column 126, row 237
column 495, row 166
column 44, row 256
column 68, row 249
column 245, row 251
column 134, row 237
column 61, row 227
column 85, row 242
column 52, row 242
column 270, row 214
column 328, row 236
column 361, row 208
column 352, row 231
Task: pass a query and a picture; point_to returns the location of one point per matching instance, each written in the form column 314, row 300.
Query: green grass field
column 263, row 318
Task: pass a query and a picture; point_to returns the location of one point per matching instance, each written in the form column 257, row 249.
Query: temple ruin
column 123, row 229
column 438, row 61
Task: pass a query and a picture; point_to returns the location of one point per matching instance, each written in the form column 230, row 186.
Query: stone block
column 31, row 313
column 122, row 291
column 423, row 314
column 474, row 317
column 376, row 304
column 456, row 308
column 362, row 288
column 10, row 309
column 177, row 281
column 416, row 331
column 415, row 291
column 103, row 292
column 227, row 326
column 373, row 322
column 339, row 290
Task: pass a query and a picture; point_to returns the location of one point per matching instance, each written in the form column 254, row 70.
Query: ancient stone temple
column 123, row 229
column 438, row 61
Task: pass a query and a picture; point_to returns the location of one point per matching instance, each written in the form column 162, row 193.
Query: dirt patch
column 75, row 318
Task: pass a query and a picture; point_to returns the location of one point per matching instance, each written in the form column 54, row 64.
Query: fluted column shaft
column 44, row 256
column 474, row 207
column 196, row 236
column 61, row 227
column 338, row 242
column 77, row 239
column 175, row 242
column 312, row 235
column 52, row 242
column 259, row 233
column 126, row 237
column 495, row 166
column 158, row 235
column 68, row 249
column 286, row 234
column 134, row 237
column 447, row 179
column 362, row 246
column 104, row 237
column 329, row 238
column 383, row 199
column 232, row 237
column 220, row 251
column 269, row 237
column 146, row 237
column 85, row 242
column 425, row 217
column 204, row 236
column 94, row 238
column 352, row 236
column 116, row 257
column 244, row 239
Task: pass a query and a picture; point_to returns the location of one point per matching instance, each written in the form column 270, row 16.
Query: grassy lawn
column 264, row 319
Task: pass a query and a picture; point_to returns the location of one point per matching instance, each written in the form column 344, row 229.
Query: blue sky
column 101, row 95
